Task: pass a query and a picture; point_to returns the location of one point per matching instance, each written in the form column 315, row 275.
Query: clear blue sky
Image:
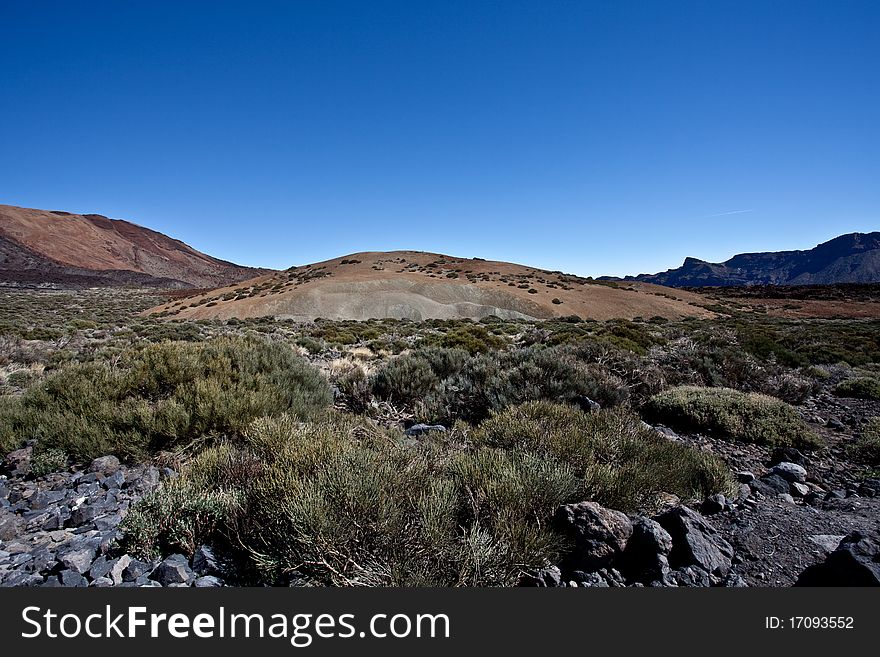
column 594, row 137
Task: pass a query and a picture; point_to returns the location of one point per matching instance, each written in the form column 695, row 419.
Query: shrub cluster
column 862, row 387
column 162, row 396
column 750, row 417
column 443, row 385
column 866, row 447
column 343, row 502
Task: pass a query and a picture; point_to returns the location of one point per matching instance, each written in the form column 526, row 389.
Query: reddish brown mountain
column 40, row 246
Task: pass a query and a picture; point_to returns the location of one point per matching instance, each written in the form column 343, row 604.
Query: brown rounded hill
column 417, row 285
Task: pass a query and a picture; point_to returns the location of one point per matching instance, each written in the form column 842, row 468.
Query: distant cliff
column 851, row 258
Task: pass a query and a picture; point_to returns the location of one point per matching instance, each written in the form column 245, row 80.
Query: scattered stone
column 548, row 577
column 82, row 515
column 770, row 485
column 10, row 526
column 100, row 567
column 801, row 490
column 788, row 455
column 586, row 404
column 714, row 504
column 135, row 570
column 72, row 578
column 785, row 497
column 102, row 582
column 590, row 580
column 691, row 576
column 745, row 477
column 827, row 542
column 599, row 534
column 421, row 429
column 118, row 567
column 79, row 559
column 173, row 570
column 646, row 552
column 208, row 581
column 18, row 462
column 791, row 472
column 204, row 562
column 667, row 433
column 105, row 465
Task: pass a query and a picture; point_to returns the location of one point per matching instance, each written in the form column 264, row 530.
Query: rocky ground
column 62, row 529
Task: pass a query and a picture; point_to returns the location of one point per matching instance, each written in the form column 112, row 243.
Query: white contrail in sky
column 723, row 214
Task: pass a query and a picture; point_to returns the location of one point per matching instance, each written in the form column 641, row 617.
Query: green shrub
column 750, row 417
column 866, row 447
column 189, row 510
column 405, row 379
column 863, row 387
column 473, row 339
column 489, row 383
column 162, row 396
column 617, row 460
column 343, row 502
column 46, row 461
column 20, row 378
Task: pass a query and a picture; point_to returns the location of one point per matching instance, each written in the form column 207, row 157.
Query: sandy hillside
column 419, row 285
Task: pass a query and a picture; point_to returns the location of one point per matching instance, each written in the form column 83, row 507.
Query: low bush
column 863, row 387
column 405, row 379
column 473, row 339
column 45, row 461
column 617, row 461
column 162, row 396
column 492, row 382
column 749, row 417
column 341, row 501
column 866, row 447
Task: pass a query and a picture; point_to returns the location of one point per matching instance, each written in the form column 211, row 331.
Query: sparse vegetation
column 866, row 447
column 863, row 387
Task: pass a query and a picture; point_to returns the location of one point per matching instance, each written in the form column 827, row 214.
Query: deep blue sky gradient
column 594, row 137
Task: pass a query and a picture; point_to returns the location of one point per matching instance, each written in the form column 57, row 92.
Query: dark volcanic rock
column 548, row 577
column 695, row 542
column 421, row 429
column 204, row 562
column 855, row 562
column 105, row 465
column 173, row 570
column 599, row 534
column 645, row 558
column 770, row 485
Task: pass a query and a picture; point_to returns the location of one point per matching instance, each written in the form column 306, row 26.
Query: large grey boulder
column 695, row 542
column 791, row 472
column 599, row 534
column 645, row 558
column 11, row 525
column 79, row 558
column 855, row 562
column 173, row 570
column 105, row 465
column 18, row 462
